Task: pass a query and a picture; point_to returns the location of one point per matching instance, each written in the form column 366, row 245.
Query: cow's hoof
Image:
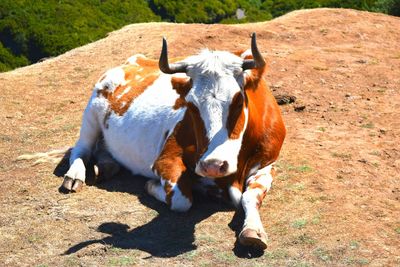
column 105, row 170
column 254, row 238
column 67, row 184
column 78, row 185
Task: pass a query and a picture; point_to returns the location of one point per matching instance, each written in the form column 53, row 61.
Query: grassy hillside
column 334, row 201
column 34, row 29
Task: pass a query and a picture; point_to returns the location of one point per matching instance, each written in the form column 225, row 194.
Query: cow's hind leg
column 81, row 153
column 105, row 165
column 253, row 233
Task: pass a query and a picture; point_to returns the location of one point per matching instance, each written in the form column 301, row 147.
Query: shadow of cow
column 167, row 235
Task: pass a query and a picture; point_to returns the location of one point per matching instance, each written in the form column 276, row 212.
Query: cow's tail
column 52, row 156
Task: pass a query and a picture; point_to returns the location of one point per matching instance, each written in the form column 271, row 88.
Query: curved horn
column 163, row 62
column 258, row 60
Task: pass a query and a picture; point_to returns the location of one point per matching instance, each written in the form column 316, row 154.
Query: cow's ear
column 181, row 85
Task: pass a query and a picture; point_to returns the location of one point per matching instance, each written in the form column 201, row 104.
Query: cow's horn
column 258, row 60
column 163, row 62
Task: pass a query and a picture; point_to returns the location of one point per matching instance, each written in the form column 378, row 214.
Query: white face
column 216, row 78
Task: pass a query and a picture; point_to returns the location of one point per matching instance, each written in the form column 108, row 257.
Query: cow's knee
column 180, row 202
column 106, row 166
column 169, row 194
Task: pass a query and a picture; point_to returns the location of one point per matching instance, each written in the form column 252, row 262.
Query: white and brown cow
column 206, row 122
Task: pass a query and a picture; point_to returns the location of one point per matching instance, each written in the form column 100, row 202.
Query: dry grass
column 335, row 201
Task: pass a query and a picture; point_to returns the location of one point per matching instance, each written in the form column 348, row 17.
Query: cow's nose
column 214, row 167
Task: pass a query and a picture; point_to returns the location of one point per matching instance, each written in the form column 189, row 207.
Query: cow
column 206, row 122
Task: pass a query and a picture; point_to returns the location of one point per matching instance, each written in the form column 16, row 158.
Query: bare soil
column 335, row 201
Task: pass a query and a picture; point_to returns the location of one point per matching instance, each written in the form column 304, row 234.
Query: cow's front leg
column 177, row 195
column 175, row 185
column 81, row 153
column 257, row 185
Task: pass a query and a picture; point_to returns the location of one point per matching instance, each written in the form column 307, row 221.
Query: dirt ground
column 335, row 201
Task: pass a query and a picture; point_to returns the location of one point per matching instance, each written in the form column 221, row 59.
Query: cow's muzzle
column 212, row 168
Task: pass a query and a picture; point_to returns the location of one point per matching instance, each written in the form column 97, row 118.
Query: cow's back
column 135, row 106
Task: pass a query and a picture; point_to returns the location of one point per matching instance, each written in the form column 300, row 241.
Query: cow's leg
column 81, row 153
column 257, row 185
column 175, row 185
column 105, row 165
column 177, row 195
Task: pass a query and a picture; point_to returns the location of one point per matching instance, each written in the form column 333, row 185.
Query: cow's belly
column 136, row 139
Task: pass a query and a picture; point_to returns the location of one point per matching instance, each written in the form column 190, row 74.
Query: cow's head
column 217, row 104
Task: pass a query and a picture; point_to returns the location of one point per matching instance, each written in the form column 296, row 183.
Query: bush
column 9, row 61
column 391, row 7
column 33, row 29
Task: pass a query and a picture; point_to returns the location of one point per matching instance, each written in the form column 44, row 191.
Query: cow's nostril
column 223, row 167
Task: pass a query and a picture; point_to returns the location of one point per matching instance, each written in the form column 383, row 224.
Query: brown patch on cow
column 171, row 168
column 179, row 103
column 181, row 85
column 138, row 79
column 180, row 153
column 240, row 54
column 262, row 194
column 255, row 185
column 236, row 117
column 145, row 62
column 260, row 198
column 265, row 131
column 273, row 172
column 199, row 129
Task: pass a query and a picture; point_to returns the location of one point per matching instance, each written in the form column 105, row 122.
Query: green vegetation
column 34, row 29
column 299, row 224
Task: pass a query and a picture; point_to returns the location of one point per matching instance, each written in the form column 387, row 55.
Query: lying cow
column 207, row 122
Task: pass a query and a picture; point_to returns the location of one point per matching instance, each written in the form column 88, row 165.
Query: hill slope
column 335, row 200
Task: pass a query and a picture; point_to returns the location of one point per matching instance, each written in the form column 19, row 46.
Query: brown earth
column 335, row 201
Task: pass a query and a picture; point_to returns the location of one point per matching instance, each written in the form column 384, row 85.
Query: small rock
column 285, row 99
column 362, row 160
column 352, row 97
column 382, row 130
column 362, row 61
column 299, row 108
